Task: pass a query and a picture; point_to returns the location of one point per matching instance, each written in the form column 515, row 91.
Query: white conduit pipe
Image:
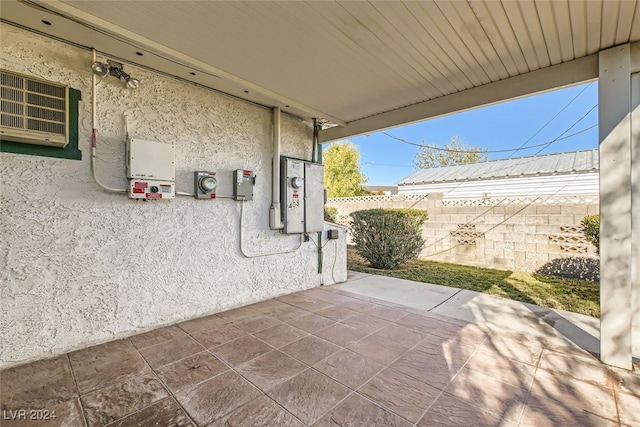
column 275, row 221
column 247, row 254
column 94, row 131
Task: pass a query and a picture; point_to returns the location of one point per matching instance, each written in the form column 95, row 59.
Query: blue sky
column 503, row 126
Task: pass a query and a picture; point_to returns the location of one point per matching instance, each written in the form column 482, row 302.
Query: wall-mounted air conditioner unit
column 33, row 111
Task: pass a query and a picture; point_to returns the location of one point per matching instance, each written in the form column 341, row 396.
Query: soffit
column 351, row 61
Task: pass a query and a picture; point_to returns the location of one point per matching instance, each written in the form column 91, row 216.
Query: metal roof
column 363, row 65
column 550, row 164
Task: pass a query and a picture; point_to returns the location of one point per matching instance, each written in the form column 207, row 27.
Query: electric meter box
column 151, row 169
column 302, row 196
column 205, row 184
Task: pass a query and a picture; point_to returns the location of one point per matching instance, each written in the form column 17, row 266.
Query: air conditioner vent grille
column 33, row 111
column 12, row 80
column 12, row 94
column 45, row 101
column 12, row 121
column 46, row 114
column 45, row 88
column 12, row 108
column 45, row 126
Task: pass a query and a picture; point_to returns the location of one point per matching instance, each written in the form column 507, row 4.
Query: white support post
column 616, row 258
column 635, row 212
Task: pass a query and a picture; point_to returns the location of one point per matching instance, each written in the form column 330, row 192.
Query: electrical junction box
column 243, row 182
column 313, row 197
column 151, row 189
column 151, row 169
column 205, row 184
column 302, row 196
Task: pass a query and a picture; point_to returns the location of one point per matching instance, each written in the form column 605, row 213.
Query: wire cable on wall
column 94, row 131
column 250, row 255
column 314, row 242
column 335, row 259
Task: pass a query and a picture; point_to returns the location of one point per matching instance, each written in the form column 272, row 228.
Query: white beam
column 635, row 57
column 614, row 93
column 635, row 210
column 554, row 77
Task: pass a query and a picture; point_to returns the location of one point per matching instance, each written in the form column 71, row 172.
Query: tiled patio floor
column 323, row 357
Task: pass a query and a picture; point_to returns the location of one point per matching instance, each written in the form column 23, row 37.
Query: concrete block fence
column 527, row 234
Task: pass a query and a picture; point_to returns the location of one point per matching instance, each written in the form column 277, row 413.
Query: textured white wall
column 81, row 266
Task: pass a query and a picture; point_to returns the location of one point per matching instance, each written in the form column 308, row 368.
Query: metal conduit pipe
column 275, row 221
column 314, row 151
column 314, row 156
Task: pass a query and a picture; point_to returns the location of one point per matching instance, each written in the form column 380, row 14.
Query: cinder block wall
column 525, row 234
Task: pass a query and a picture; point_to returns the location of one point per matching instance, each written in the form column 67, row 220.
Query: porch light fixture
column 100, row 69
column 115, row 69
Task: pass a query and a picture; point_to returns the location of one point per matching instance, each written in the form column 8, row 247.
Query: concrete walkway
column 550, row 325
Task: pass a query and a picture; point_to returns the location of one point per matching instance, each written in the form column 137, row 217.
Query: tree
column 456, row 152
column 342, row 174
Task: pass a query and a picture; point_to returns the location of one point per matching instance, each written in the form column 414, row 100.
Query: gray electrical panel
column 243, row 181
column 302, row 196
column 313, row 197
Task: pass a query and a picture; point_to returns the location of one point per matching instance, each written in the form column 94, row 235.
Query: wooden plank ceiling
column 343, row 61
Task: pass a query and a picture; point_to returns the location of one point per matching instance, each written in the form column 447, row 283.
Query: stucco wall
column 81, row 266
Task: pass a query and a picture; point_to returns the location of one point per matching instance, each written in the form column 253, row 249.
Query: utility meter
column 296, row 182
column 205, row 185
column 208, row 183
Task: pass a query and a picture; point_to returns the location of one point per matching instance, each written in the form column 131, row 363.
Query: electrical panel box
column 313, row 197
column 302, row 196
column 151, row 189
column 292, row 195
column 151, row 169
column 243, row 182
column 151, row 160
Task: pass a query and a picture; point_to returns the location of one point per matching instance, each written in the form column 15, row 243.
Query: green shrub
column 331, row 214
column 591, row 225
column 388, row 237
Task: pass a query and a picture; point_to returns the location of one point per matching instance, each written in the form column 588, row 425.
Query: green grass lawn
column 578, row 296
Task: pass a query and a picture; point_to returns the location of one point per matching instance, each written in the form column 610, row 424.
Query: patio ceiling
column 361, row 65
